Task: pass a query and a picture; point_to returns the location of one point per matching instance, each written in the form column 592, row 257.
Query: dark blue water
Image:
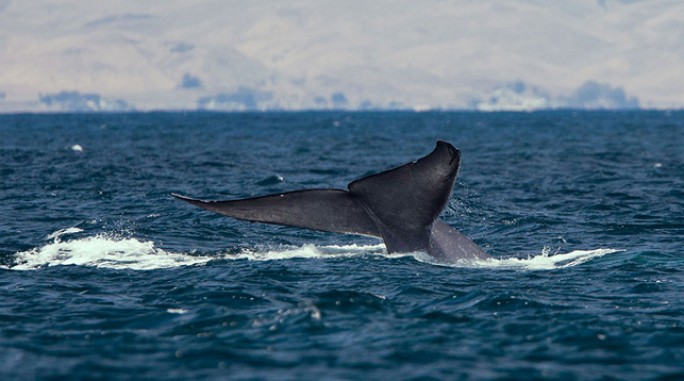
column 105, row 276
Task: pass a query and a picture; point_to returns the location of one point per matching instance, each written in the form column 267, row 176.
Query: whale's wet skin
column 400, row 205
column 103, row 275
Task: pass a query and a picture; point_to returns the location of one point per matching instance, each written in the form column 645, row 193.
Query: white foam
column 116, row 252
column 542, row 261
column 179, row 311
column 102, row 250
column 309, row 252
column 62, row 232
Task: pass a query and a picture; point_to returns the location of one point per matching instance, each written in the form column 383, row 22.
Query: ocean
column 105, row 276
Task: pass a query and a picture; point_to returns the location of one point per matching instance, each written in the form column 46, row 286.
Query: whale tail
column 400, row 205
column 331, row 210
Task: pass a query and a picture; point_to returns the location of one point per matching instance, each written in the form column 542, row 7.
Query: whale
column 401, row 206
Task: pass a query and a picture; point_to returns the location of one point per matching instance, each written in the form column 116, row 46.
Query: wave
column 116, row 252
column 102, row 250
column 544, row 260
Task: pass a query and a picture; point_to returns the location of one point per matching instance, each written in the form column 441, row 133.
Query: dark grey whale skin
column 400, row 205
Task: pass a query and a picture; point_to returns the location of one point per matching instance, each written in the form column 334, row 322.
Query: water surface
column 106, row 276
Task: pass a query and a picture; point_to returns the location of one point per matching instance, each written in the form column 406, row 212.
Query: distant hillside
column 273, row 55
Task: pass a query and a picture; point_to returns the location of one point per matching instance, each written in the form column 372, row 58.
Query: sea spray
column 109, row 250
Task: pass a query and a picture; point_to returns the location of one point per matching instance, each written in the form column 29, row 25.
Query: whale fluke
column 331, row 210
column 400, row 205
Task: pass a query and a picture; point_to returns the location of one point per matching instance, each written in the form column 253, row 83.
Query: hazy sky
column 179, row 54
